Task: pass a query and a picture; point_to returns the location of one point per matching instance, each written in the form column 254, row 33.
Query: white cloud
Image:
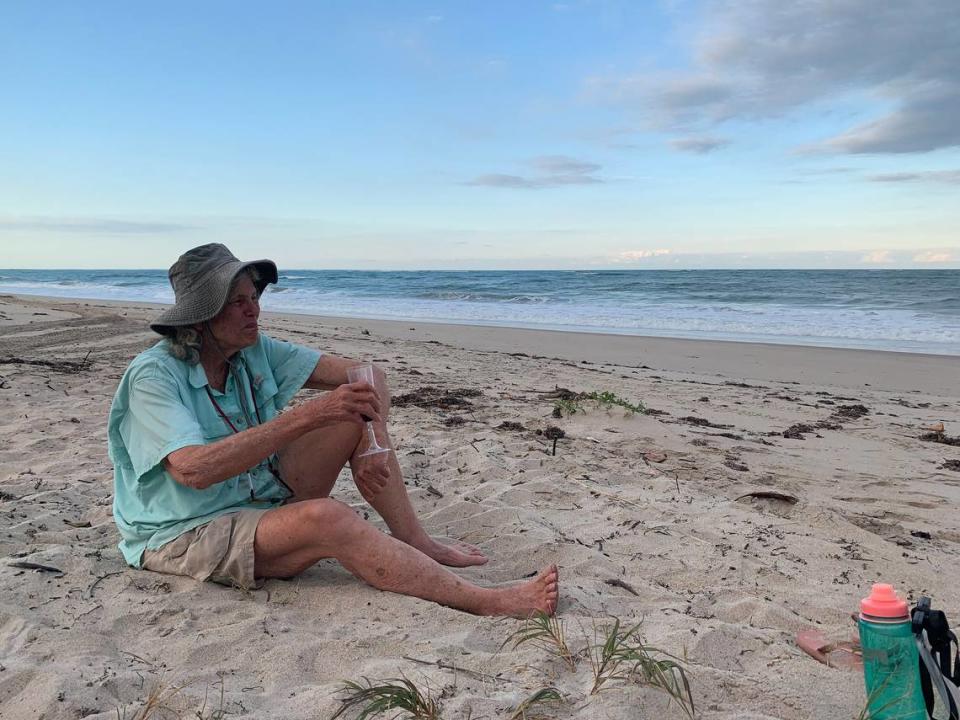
column 768, row 58
column 630, row 256
column 102, row 226
column 934, row 256
column 699, row 145
column 877, row 257
column 939, row 176
column 554, row 171
column 563, row 165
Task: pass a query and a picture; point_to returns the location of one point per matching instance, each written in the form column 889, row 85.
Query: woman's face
column 235, row 327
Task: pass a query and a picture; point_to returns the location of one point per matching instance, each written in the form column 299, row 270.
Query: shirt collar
column 197, row 376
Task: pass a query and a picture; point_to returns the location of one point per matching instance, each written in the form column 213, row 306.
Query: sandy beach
column 698, row 519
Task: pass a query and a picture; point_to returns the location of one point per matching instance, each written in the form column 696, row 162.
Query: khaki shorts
column 220, row 551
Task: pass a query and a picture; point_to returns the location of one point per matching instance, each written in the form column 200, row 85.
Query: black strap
column 275, row 471
column 933, row 625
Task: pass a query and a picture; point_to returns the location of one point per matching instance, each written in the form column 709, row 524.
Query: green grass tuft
column 540, row 697
column 622, row 656
column 546, row 633
column 392, row 694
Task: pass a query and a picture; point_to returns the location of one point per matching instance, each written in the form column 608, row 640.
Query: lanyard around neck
column 253, row 398
column 222, row 414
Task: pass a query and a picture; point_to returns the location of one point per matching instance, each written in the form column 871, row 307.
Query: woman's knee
column 328, row 515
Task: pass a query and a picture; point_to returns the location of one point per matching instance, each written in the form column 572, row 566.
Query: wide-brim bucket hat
column 201, row 280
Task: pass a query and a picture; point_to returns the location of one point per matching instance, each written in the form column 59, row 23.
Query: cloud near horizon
column 553, row 171
column 766, row 59
column 698, row 145
column 877, row 257
column 933, row 256
column 91, row 225
column 951, row 177
column 630, row 256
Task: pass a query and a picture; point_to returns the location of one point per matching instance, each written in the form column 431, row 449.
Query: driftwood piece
column 616, row 582
column 770, row 495
column 27, row 565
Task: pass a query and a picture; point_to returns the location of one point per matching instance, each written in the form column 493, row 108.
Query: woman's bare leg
column 290, row 539
column 310, row 466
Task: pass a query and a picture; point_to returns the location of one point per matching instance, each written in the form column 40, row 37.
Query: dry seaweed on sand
column 850, row 412
column 703, row 422
column 61, row 366
column 796, row 432
column 433, row 397
column 939, row 437
column 735, row 463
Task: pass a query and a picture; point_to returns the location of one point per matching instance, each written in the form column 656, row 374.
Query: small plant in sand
column 607, row 400
column 393, row 694
column 156, row 705
column 572, row 404
column 566, row 406
column 546, row 633
column 159, row 704
column 542, row 696
column 215, row 714
column 622, row 656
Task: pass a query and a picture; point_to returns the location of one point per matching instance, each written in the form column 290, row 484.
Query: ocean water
column 905, row 310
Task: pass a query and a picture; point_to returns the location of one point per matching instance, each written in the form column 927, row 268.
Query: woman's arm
column 200, row 466
column 331, row 372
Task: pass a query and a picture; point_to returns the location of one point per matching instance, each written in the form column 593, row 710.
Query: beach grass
column 393, row 694
column 622, row 656
column 546, row 633
column 162, row 703
column 543, row 696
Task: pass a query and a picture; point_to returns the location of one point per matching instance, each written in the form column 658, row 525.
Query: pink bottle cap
column 884, row 603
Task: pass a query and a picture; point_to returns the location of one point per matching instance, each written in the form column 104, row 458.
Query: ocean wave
column 913, row 310
column 902, row 330
column 512, row 298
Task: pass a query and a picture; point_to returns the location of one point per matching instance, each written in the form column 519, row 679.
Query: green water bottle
column 891, row 664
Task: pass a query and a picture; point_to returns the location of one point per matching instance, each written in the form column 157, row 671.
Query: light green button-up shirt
column 162, row 405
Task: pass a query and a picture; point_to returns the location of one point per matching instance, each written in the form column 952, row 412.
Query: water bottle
column 890, row 659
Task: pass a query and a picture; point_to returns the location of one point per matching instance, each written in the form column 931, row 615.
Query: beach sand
column 650, row 518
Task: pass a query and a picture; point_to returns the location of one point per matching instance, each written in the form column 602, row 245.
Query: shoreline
column 765, row 362
column 945, row 349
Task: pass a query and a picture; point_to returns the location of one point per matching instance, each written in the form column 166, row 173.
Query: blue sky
column 482, row 134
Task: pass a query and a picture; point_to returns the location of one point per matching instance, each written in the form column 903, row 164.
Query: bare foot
column 528, row 598
column 454, row 554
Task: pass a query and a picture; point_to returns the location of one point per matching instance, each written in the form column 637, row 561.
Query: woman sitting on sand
column 211, row 481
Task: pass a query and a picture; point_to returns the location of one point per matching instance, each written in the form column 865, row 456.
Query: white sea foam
column 903, row 312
